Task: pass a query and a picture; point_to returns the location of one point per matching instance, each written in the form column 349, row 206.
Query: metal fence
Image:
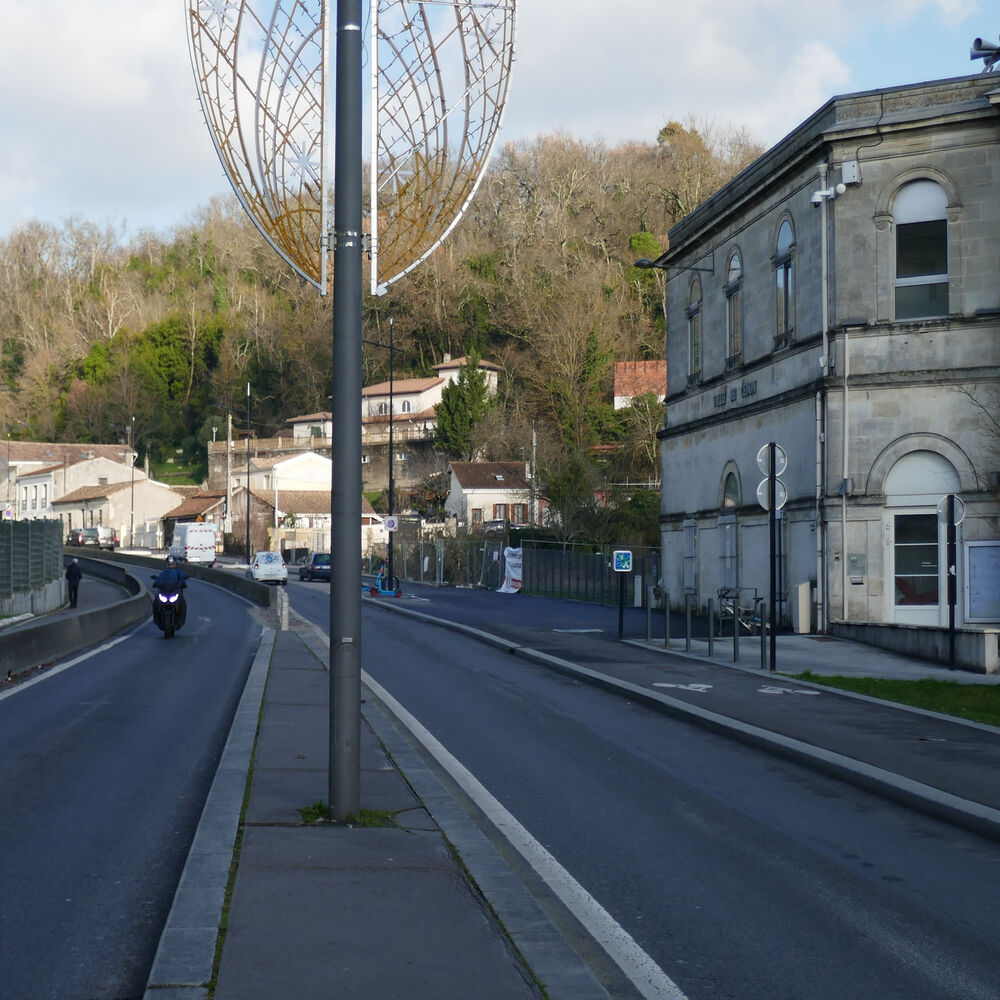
column 575, row 571
column 30, row 555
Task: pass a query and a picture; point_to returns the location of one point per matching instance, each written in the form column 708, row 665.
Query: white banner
column 512, row 572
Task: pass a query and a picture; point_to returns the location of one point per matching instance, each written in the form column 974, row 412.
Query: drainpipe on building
column 824, row 364
column 844, row 483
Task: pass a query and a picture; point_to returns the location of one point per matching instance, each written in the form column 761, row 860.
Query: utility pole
column 227, row 525
column 248, row 476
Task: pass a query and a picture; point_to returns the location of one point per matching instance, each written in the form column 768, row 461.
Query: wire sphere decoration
column 441, row 78
column 440, row 73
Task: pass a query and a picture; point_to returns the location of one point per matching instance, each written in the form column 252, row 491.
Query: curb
column 185, row 956
column 973, row 816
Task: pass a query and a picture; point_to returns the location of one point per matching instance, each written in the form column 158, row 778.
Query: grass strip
column 976, row 702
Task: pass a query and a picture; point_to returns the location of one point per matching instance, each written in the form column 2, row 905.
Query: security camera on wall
column 816, row 200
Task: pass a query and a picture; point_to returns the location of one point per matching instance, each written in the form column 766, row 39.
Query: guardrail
column 51, row 639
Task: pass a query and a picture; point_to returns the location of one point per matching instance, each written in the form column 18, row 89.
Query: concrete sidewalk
column 381, row 911
column 388, row 911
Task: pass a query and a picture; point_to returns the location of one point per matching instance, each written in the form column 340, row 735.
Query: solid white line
column 647, row 977
column 46, row 674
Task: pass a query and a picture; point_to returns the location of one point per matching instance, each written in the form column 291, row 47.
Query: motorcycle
column 169, row 608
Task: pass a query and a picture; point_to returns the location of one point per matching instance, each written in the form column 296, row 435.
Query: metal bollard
column 763, row 636
column 736, row 628
column 649, row 612
column 687, row 623
column 666, row 620
column 283, row 609
column 711, row 625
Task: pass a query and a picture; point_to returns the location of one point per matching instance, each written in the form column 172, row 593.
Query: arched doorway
column 916, row 591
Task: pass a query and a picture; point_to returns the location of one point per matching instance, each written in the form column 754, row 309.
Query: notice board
column 982, row 581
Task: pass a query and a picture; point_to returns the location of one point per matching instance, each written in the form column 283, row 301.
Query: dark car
column 102, row 537
column 75, row 537
column 315, row 567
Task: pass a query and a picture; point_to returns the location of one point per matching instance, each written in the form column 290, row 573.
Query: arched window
column 783, row 282
column 734, row 287
column 729, row 547
column 694, row 332
column 921, row 221
column 730, row 493
column 406, row 406
column 383, row 409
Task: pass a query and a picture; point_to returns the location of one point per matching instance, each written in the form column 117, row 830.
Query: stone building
column 841, row 297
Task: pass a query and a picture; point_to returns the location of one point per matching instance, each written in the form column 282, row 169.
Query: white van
column 194, row 542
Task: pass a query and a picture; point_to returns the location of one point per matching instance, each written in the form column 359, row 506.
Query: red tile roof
column 635, row 378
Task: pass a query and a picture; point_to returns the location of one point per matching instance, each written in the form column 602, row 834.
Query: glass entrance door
column 916, row 569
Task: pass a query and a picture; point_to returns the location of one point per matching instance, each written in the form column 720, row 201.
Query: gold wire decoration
column 440, row 80
column 440, row 75
column 261, row 71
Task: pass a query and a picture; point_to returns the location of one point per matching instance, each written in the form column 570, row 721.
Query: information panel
column 982, row 581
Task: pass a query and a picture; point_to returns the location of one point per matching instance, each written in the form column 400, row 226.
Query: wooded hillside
column 538, row 277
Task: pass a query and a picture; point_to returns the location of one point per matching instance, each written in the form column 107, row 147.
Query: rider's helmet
column 171, row 561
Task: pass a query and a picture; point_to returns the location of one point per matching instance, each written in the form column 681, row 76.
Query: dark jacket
column 73, row 573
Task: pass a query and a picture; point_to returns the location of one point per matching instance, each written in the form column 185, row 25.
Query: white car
column 268, row 567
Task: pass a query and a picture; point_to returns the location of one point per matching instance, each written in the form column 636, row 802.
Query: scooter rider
column 172, row 579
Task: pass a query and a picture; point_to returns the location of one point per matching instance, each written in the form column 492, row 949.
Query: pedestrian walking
column 73, row 575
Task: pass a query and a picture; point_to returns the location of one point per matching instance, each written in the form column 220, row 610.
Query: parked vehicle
column 75, row 537
column 100, row 537
column 194, row 542
column 268, row 567
column 315, row 567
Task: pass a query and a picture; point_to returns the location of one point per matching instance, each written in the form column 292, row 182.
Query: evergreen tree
column 463, row 404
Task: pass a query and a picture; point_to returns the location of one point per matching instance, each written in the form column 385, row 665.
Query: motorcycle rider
column 171, row 579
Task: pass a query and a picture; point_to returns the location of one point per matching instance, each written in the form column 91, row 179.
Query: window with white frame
column 499, row 511
column 734, row 309
column 784, row 284
column 406, row 406
column 694, row 332
column 519, row 513
column 920, row 217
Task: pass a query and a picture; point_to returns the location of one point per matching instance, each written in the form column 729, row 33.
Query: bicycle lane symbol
column 768, row 689
column 700, row 688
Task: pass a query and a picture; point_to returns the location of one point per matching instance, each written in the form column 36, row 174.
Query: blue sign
column 623, row 561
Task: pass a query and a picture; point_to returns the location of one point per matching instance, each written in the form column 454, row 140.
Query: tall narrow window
column 734, row 287
column 694, row 333
column 920, row 216
column 729, row 549
column 783, row 284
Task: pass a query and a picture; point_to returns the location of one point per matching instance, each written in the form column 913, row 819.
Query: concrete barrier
column 27, row 648
column 976, row 649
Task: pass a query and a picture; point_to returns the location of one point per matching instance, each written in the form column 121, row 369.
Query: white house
column 305, row 470
column 489, row 491
column 116, row 505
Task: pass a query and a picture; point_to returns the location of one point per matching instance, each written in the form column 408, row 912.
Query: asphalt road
column 741, row 875
column 105, row 769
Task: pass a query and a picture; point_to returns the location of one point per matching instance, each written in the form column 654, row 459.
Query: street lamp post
column 131, row 513
column 248, row 476
column 392, row 455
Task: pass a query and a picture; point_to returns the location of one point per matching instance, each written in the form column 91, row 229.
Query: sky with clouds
column 100, row 119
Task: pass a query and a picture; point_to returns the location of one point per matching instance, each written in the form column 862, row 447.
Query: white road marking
column 578, row 631
column 685, row 687
column 780, row 690
column 647, row 977
column 46, row 674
